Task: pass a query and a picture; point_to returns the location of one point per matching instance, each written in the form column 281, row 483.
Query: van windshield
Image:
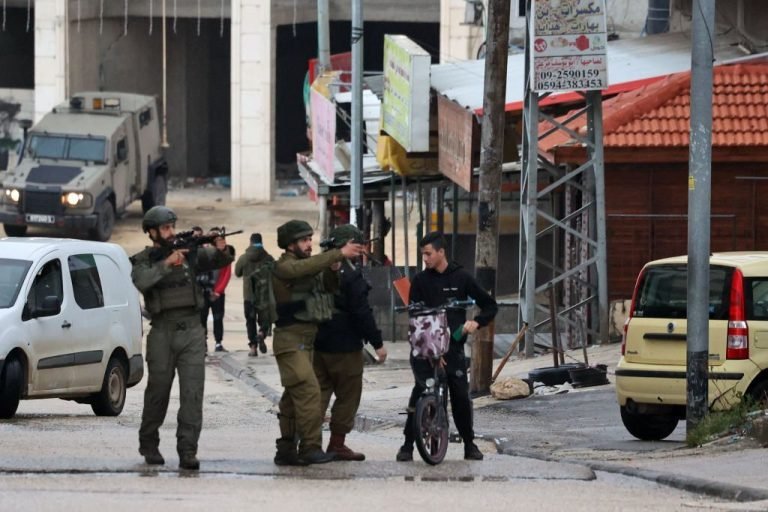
column 89, row 149
column 12, row 273
column 663, row 292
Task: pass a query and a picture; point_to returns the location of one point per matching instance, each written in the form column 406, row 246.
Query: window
column 86, row 284
column 664, row 292
column 88, row 149
column 756, row 291
column 47, row 283
column 122, row 150
column 145, row 117
column 12, row 273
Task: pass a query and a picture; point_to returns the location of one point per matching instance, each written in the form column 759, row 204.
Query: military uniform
column 338, row 360
column 247, row 263
column 303, row 299
column 176, row 342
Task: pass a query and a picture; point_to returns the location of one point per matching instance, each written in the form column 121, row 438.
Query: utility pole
column 356, row 187
column 323, row 37
column 491, row 158
column 323, row 65
column 699, row 198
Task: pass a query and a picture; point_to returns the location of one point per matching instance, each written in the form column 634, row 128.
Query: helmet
column 340, row 235
column 292, row 231
column 156, row 217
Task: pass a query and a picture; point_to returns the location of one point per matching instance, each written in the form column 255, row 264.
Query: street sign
column 323, row 133
column 569, row 42
column 405, row 115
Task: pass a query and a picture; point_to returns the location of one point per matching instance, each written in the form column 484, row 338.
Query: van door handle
column 66, row 325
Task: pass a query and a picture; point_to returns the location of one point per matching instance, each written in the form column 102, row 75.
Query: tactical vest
column 315, row 305
column 175, row 291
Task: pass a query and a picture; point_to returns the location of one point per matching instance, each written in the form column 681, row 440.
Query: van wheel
column 11, row 382
column 648, row 427
column 111, row 399
column 15, row 230
column 105, row 222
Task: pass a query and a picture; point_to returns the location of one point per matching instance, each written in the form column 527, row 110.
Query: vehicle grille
column 42, row 202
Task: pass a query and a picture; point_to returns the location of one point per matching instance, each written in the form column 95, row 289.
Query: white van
column 70, row 323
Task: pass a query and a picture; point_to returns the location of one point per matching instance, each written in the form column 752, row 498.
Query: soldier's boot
column 341, row 451
column 286, row 453
column 189, row 461
column 315, row 456
column 152, row 456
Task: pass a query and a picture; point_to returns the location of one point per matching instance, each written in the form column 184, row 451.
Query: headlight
column 12, row 195
column 76, row 200
column 430, row 382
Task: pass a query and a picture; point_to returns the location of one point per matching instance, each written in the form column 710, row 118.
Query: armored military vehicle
column 83, row 163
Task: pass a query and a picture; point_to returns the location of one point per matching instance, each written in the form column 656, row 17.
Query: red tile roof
column 658, row 115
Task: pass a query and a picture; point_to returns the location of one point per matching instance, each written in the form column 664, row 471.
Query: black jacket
column 435, row 289
column 352, row 320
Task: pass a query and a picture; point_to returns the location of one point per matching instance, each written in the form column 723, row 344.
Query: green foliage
column 722, row 423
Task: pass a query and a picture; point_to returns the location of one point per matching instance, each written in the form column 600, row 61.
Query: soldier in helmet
column 176, row 341
column 338, row 359
column 303, row 298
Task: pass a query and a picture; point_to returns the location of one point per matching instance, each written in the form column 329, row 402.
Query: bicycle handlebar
column 420, row 307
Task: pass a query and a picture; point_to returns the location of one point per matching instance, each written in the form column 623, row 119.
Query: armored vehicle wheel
column 14, row 230
column 160, row 189
column 155, row 194
column 105, row 223
column 10, row 388
column 111, row 399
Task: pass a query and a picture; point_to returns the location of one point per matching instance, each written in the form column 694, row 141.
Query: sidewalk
column 727, row 472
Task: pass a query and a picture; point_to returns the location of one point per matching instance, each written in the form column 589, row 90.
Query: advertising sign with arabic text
column 405, row 106
column 568, row 45
column 323, row 133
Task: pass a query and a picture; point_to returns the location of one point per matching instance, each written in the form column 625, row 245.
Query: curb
column 691, row 484
column 363, row 422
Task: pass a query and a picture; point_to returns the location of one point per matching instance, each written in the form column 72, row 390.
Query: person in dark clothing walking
column 338, row 360
column 441, row 282
column 256, row 327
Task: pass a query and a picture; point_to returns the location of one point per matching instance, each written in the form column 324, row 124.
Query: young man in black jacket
column 441, row 282
column 338, row 358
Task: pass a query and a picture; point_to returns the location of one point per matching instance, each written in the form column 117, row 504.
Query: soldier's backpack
column 263, row 295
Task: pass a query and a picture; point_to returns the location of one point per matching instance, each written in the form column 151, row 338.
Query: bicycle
column 429, row 336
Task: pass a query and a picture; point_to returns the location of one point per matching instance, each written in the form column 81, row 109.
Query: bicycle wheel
column 431, row 425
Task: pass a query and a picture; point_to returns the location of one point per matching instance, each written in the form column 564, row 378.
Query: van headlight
column 12, row 195
column 76, row 200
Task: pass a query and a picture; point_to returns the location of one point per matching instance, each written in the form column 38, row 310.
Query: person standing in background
column 257, row 328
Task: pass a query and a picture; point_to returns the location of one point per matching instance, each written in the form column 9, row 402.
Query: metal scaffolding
column 576, row 269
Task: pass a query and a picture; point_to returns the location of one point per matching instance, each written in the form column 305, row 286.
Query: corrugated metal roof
column 631, row 63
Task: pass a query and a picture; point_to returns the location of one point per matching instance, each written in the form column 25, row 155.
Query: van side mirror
column 51, row 306
column 122, row 153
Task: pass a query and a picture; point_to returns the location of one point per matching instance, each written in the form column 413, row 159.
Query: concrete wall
column 252, row 93
column 50, row 55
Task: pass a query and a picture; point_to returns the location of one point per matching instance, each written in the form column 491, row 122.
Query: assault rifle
column 330, row 243
column 188, row 240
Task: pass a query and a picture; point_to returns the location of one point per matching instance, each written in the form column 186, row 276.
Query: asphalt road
column 57, row 456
